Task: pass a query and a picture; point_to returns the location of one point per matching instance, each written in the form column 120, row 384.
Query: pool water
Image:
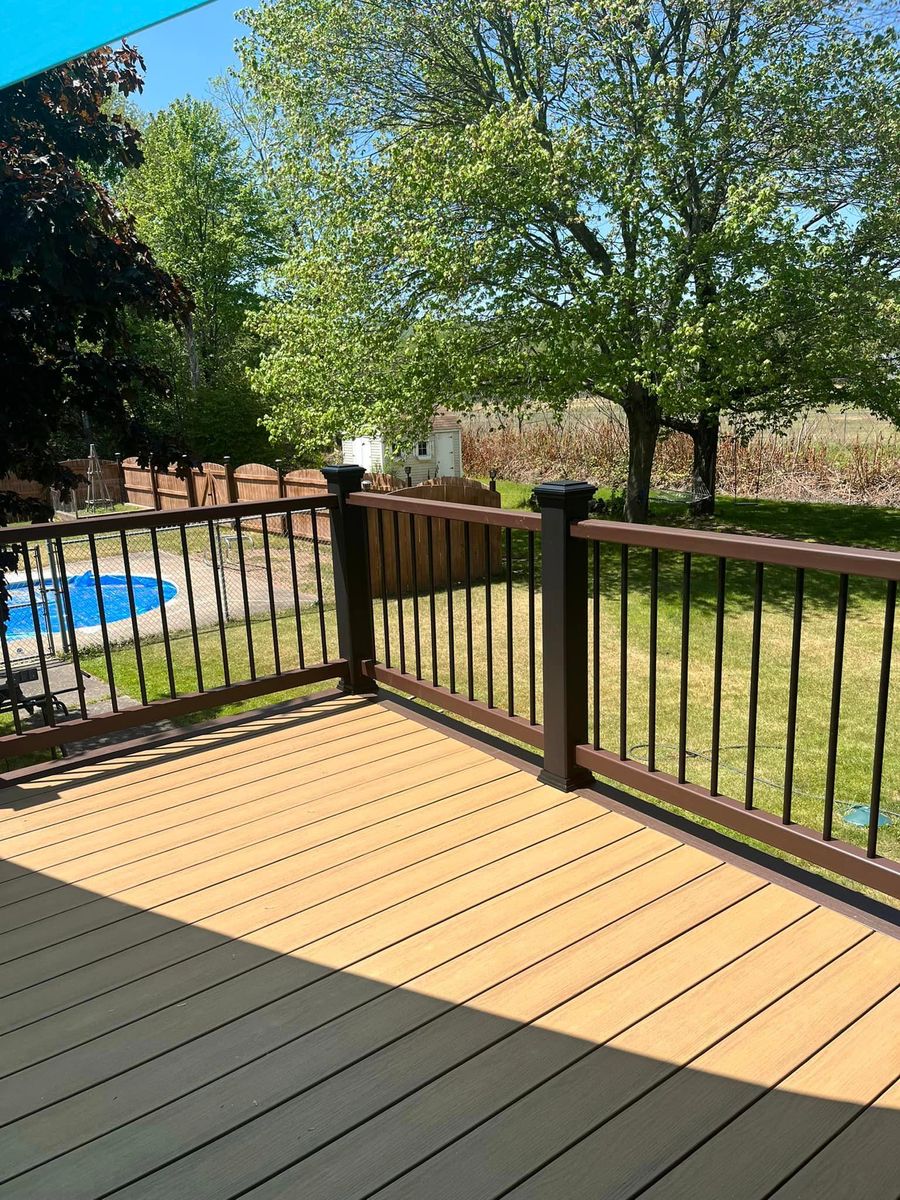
column 83, row 597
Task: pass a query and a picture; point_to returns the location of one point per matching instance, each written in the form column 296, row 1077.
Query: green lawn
column 861, row 669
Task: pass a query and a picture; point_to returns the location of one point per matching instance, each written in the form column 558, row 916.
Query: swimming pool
column 85, row 607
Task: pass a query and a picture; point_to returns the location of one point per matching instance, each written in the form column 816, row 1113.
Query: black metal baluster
column 70, row 621
column 881, row 717
column 163, row 618
column 685, row 665
column 270, row 588
column 417, row 636
column 837, row 676
column 532, row 690
column 651, row 680
column 488, row 618
column 104, row 633
column 510, row 665
column 754, row 687
column 623, row 653
column 432, row 616
column 47, row 707
column 717, row 677
column 220, row 611
column 189, row 588
column 320, row 594
column 401, row 629
column 7, row 667
column 135, row 631
column 595, row 643
column 470, row 654
column 385, row 616
column 245, row 596
column 451, row 638
column 793, row 687
column 295, row 587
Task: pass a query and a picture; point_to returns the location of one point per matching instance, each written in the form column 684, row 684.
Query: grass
column 156, row 676
column 492, row 651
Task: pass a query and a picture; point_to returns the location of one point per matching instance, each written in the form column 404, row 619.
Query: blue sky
column 183, row 54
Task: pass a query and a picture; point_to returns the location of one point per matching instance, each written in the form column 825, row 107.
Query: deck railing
column 560, row 647
column 672, row 662
column 237, row 609
column 809, row 601
column 459, row 642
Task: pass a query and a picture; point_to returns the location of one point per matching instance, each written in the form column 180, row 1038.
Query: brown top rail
column 163, row 518
column 475, row 514
column 782, row 552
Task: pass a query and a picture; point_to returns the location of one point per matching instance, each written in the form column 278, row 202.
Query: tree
column 685, row 207
column 197, row 206
column 72, row 271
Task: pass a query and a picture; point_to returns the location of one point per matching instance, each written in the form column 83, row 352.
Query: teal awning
column 37, row 34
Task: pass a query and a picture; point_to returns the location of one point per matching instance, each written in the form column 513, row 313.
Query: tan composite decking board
column 444, row 895
column 336, row 953
column 63, row 913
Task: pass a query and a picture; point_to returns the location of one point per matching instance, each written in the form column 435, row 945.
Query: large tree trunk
column 643, row 415
column 190, row 345
column 705, row 434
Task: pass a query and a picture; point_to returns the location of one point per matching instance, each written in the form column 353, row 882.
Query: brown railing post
column 352, row 593
column 564, row 621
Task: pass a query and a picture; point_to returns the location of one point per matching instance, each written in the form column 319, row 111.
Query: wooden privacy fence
column 401, row 541
column 214, row 483
column 30, row 490
column 422, row 552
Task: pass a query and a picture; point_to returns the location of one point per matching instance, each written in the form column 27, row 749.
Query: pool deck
column 339, row 952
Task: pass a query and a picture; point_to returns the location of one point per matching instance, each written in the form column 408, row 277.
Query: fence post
column 564, row 630
column 154, row 487
column 350, row 557
column 189, row 481
column 282, row 492
column 230, row 486
column 120, row 471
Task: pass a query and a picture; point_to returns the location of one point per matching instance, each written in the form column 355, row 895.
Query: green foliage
column 73, row 275
column 197, row 204
column 684, row 207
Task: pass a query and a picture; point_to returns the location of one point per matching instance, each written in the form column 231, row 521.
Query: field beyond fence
column 811, row 462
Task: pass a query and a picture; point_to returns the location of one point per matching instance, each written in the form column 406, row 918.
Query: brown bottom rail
column 883, row 874
column 46, row 737
column 472, row 710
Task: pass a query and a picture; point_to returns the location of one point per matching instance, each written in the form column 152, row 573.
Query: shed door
column 443, row 448
column 364, row 453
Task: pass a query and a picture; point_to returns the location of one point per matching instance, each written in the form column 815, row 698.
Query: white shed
column 438, row 454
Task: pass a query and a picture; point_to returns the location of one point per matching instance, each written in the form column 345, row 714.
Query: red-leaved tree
column 73, row 273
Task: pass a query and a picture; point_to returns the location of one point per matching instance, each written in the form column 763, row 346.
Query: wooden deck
column 338, row 953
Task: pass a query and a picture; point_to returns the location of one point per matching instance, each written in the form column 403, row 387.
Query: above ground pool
column 83, row 598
